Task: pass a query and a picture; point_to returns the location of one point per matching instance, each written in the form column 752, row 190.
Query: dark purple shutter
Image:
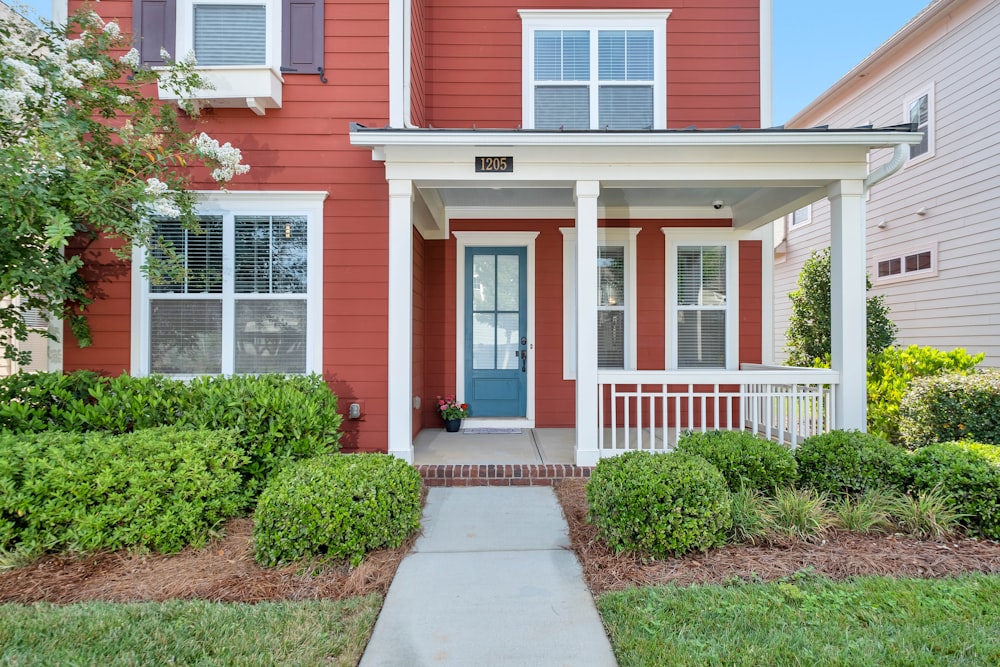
column 302, row 36
column 154, row 27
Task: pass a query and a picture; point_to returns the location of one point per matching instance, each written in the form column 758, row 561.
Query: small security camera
column 717, row 204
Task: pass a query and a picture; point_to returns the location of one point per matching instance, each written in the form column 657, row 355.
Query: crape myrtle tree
column 808, row 335
column 85, row 152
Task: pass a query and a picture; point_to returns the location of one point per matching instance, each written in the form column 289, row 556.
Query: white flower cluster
column 163, row 204
column 111, row 29
column 130, row 59
column 25, row 86
column 226, row 155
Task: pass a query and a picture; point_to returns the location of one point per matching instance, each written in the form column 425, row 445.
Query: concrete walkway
column 490, row 582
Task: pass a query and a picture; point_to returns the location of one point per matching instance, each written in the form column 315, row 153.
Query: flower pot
column 452, row 425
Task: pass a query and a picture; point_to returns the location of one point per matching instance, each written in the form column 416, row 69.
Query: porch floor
column 467, row 447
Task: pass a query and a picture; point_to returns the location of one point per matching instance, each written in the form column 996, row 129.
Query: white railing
column 648, row 410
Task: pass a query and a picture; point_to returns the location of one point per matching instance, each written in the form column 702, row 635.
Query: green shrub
column 276, row 418
column 849, row 462
column 927, row 514
column 339, row 507
column 159, row 488
column 952, row 407
column 743, row 458
column 659, row 504
column 968, row 476
column 891, row 372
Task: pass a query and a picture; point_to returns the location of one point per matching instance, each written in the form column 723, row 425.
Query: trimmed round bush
column 952, row 407
column 744, row 459
column 969, row 474
column 849, row 462
column 338, row 506
column 659, row 504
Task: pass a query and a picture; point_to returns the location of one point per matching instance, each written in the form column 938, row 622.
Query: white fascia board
column 493, row 140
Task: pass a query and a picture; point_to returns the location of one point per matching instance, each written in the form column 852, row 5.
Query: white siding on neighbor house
column 958, row 188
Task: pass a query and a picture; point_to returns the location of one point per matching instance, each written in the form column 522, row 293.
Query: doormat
column 490, row 431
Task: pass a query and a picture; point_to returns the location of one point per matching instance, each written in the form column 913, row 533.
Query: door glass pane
column 271, row 336
column 483, row 341
column 185, row 336
column 611, row 276
column 508, row 282
column 508, row 334
column 483, row 282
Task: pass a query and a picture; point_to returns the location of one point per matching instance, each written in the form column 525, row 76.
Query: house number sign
column 495, row 164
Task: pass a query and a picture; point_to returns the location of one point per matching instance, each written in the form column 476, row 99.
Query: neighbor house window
column 920, row 110
column 594, row 70
column 616, row 284
column 246, row 300
column 701, row 302
column 800, row 217
column 918, row 263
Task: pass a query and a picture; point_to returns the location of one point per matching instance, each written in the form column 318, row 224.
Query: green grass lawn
column 809, row 621
column 187, row 633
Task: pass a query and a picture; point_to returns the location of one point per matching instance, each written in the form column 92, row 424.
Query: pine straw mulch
column 839, row 556
column 222, row 571
column 225, row 571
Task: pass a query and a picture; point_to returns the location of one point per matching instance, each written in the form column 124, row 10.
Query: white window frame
column 606, row 236
column 931, row 120
column 272, row 22
column 229, row 205
column 675, row 238
column 901, row 256
column 594, row 20
column 808, row 208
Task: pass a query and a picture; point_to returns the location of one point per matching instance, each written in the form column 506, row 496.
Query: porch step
column 514, row 474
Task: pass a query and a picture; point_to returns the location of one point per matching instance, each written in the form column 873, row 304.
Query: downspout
column 899, row 155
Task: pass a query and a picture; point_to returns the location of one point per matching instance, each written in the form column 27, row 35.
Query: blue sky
column 815, row 43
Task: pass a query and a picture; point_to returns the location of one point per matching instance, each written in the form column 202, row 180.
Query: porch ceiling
column 756, row 175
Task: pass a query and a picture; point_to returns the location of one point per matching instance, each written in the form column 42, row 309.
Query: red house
column 560, row 212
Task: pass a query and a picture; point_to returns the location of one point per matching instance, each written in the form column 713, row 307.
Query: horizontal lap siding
column 474, row 72
column 305, row 146
column 751, row 302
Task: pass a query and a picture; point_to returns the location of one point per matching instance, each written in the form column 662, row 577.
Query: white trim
column 594, row 20
column 915, row 96
column 625, row 236
column 766, row 63
column 904, row 275
column 399, row 357
column 603, row 212
column 503, row 239
column 674, row 237
column 808, row 217
column 229, row 204
column 399, row 62
column 767, row 260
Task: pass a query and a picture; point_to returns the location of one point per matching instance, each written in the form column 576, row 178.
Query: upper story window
column 920, row 110
column 800, row 217
column 242, row 47
column 594, row 69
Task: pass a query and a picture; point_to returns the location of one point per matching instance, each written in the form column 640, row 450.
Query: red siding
column 474, row 74
column 418, row 64
column 751, row 303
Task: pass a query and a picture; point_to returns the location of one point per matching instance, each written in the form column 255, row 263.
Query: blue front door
column 496, row 359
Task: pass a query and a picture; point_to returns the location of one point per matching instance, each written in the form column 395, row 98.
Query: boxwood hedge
column 744, row 459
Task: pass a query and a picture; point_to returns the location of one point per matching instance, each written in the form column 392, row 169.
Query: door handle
column 524, row 361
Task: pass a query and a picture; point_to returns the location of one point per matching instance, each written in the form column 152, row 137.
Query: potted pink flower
column 452, row 412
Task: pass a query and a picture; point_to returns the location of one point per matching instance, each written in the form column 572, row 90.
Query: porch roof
column 757, row 175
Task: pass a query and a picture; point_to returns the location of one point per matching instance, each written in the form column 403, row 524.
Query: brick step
column 518, row 474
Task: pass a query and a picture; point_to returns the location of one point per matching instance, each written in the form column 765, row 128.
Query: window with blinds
column 226, row 34
column 240, row 302
column 611, row 307
column 701, row 306
column 919, row 112
column 593, row 79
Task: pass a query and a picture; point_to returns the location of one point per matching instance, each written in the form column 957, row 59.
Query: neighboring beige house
column 933, row 229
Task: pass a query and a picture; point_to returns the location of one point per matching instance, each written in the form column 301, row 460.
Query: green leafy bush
column 160, row 488
column 969, row 474
column 659, row 504
column 807, row 339
column 952, row 407
column 338, row 507
column 276, row 418
column 849, row 462
column 743, row 458
column 891, row 372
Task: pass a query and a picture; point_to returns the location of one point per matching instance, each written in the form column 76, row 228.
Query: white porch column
column 400, row 378
column 586, row 322
column 848, row 317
